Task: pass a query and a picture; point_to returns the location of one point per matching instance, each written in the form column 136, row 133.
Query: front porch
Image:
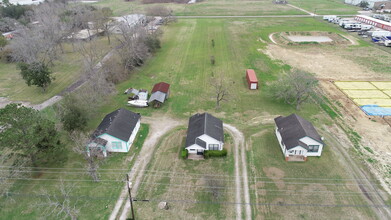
column 296, row 158
column 195, row 157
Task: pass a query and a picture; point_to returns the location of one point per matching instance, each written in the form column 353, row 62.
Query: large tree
column 26, row 136
column 37, row 74
column 294, row 88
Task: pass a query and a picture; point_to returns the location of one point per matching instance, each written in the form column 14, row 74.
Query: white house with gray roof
column 116, row 132
column 298, row 138
column 205, row 132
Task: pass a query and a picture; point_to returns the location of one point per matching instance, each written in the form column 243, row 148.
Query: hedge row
column 215, row 153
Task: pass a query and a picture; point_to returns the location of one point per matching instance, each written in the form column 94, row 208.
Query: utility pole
column 129, row 184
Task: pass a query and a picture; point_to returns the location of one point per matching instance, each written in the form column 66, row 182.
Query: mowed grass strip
column 354, row 85
column 379, row 102
column 382, row 85
column 361, row 93
column 202, row 8
column 323, row 7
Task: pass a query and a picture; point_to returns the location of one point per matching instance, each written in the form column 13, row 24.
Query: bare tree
column 220, row 89
column 61, row 204
column 91, row 54
column 294, row 88
column 132, row 49
column 81, row 146
column 102, row 21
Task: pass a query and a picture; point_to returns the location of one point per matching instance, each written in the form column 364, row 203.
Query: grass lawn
column 173, row 178
column 184, row 62
column 325, row 7
column 66, row 71
column 319, row 181
column 96, row 200
column 206, row 7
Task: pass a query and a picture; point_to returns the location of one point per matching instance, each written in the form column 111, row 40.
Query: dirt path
column 159, row 126
column 303, row 10
column 239, row 143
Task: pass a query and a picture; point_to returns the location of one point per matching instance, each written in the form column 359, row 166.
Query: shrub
column 184, row 153
column 215, row 153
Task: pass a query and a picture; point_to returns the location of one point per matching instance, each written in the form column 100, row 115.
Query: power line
column 10, row 194
column 170, row 172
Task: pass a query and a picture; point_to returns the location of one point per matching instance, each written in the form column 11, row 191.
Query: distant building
column 371, row 3
column 383, row 5
column 24, row 2
column 128, row 20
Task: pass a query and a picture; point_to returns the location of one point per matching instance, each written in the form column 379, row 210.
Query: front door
column 200, row 152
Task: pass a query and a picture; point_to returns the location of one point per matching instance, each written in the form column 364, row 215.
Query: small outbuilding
column 252, row 80
column 298, row 138
column 159, row 94
column 116, row 132
column 205, row 132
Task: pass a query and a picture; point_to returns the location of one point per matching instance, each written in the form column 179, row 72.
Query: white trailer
column 342, row 21
column 328, row 17
column 366, row 27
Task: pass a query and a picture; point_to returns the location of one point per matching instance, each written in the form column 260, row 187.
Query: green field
column 96, row 198
column 300, row 183
column 184, row 62
column 66, row 70
column 325, row 7
column 206, row 7
column 173, row 178
column 235, row 7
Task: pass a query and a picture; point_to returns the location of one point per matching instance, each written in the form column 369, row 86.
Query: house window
column 116, row 145
column 192, row 149
column 213, row 146
column 313, row 148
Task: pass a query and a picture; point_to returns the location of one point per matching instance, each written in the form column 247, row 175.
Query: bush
column 184, row 153
column 215, row 153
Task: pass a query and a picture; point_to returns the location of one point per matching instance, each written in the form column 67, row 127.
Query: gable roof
column 119, row 123
column 162, row 87
column 293, row 127
column 158, row 96
column 205, row 123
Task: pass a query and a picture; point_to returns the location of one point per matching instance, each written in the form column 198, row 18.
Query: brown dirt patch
column 323, row 64
column 276, row 175
column 283, row 38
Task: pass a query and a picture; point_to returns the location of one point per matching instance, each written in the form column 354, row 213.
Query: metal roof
column 158, row 96
column 162, row 87
column 251, row 75
column 293, row 127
